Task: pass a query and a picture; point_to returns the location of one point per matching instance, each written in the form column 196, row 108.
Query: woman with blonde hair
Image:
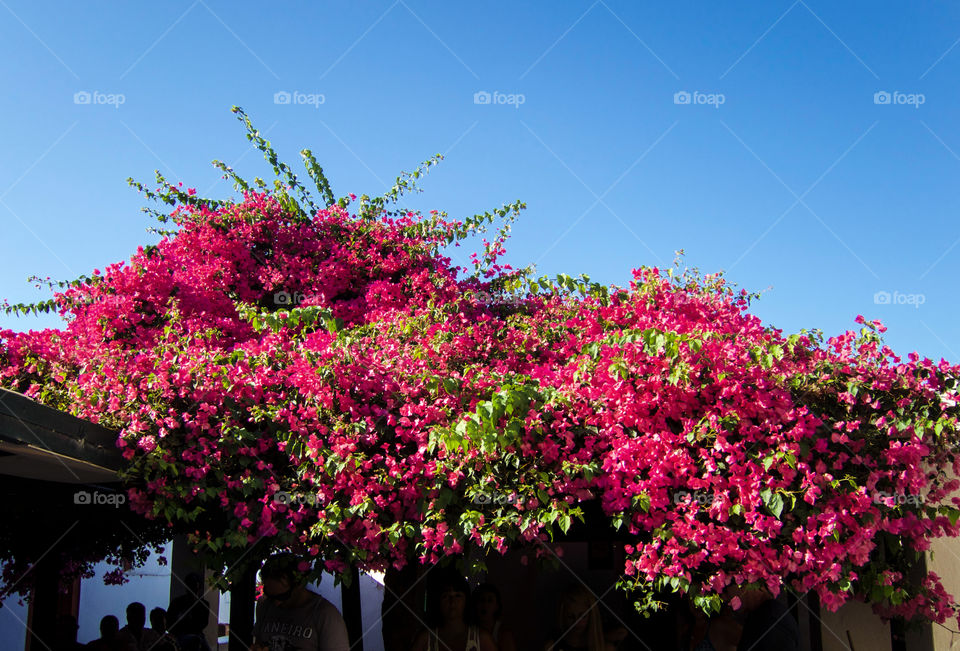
column 578, row 619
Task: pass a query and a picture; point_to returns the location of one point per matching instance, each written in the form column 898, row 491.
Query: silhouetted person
column 109, row 627
column 579, row 625
column 65, row 634
column 451, row 617
column 487, row 609
column 158, row 622
column 134, row 634
column 189, row 614
column 767, row 624
column 696, row 631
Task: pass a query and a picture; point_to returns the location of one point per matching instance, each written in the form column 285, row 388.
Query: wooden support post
column 816, row 625
column 242, row 606
column 42, row 615
column 182, row 562
column 352, row 610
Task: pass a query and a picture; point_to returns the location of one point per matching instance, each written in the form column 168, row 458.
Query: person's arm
column 420, row 642
column 331, row 629
column 486, row 642
column 258, row 625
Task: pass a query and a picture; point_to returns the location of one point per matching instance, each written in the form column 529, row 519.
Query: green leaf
column 952, row 513
column 446, row 496
column 644, row 502
column 773, row 502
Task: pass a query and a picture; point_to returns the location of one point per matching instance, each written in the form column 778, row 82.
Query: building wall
column 856, row 620
column 944, row 560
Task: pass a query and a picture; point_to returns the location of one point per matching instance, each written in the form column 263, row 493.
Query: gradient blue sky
column 799, row 184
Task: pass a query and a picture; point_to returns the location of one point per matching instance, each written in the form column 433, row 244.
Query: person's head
column 109, row 627
column 486, row 603
column 449, row 595
column 158, row 620
column 282, row 577
column 578, row 616
column 136, row 615
column 751, row 597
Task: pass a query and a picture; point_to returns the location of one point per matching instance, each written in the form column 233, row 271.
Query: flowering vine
column 321, row 377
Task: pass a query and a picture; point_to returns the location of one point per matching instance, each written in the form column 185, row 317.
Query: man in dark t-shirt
column 290, row 617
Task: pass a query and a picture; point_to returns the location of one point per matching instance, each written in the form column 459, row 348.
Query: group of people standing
column 464, row 621
column 290, row 617
column 179, row 628
column 459, row 620
column 760, row 623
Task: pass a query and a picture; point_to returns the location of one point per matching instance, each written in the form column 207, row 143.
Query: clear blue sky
column 799, row 181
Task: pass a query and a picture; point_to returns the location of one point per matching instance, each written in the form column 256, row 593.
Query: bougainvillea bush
column 320, row 377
